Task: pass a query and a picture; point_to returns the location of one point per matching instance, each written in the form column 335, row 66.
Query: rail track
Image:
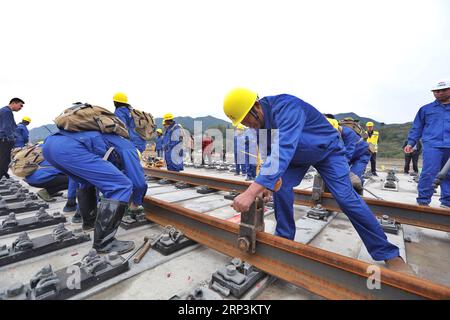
column 322, row 272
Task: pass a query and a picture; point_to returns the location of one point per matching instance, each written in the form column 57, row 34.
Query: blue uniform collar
column 266, row 112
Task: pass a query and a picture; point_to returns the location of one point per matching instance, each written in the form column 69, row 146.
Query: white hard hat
column 441, row 84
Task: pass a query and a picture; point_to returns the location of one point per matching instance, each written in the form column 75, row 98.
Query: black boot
column 77, row 217
column 110, row 213
column 87, row 205
column 71, row 205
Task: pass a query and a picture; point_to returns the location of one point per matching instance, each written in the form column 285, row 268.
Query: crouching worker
column 98, row 160
column 29, row 163
column 303, row 137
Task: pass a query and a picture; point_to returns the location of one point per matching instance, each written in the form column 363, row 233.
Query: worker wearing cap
column 239, row 148
column 432, row 125
column 124, row 113
column 21, row 133
column 301, row 136
column 173, row 144
column 373, row 140
column 7, row 133
column 356, row 151
column 159, row 143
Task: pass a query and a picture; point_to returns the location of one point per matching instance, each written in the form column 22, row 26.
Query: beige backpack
column 144, row 123
column 26, row 161
column 85, row 117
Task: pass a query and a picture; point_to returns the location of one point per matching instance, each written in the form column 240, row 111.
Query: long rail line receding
column 425, row 217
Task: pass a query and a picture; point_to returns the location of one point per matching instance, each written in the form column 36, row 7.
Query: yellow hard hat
column 159, row 130
column 168, row 116
column 240, row 127
column 369, row 124
column 28, row 119
column 120, row 97
column 237, row 104
column 334, row 123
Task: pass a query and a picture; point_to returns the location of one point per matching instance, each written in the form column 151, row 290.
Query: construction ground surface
column 177, row 275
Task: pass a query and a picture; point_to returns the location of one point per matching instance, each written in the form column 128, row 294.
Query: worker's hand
column 408, row 149
column 267, row 196
column 243, row 201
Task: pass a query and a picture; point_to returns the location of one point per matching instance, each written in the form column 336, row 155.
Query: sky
column 378, row 59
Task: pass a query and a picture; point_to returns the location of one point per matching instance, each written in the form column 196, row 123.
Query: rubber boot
column 87, row 206
column 77, row 217
column 110, row 213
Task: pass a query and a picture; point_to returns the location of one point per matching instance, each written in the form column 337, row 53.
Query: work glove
column 356, row 182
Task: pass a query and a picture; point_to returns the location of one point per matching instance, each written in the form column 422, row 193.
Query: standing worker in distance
column 159, row 143
column 373, row 140
column 432, row 125
column 173, row 144
column 22, row 134
column 414, row 156
column 303, row 138
column 7, row 133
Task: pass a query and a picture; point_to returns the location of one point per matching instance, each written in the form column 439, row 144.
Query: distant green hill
column 207, row 122
column 392, row 136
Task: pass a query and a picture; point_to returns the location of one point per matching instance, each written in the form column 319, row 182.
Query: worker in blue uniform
column 432, row 125
column 356, row 151
column 120, row 180
column 173, row 144
column 159, row 143
column 303, row 137
column 239, row 147
column 123, row 112
column 250, row 153
column 21, row 133
column 7, row 136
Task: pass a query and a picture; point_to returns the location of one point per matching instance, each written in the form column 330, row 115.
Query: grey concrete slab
column 164, row 189
column 339, row 237
column 176, row 276
column 428, row 253
column 206, row 203
column 178, row 196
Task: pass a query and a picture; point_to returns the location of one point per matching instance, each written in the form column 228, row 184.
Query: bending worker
column 86, row 165
column 22, row 134
column 356, row 151
column 123, row 112
column 173, row 144
column 303, row 137
column 432, row 125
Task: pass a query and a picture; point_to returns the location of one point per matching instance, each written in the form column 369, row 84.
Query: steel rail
column 425, row 217
column 324, row 273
